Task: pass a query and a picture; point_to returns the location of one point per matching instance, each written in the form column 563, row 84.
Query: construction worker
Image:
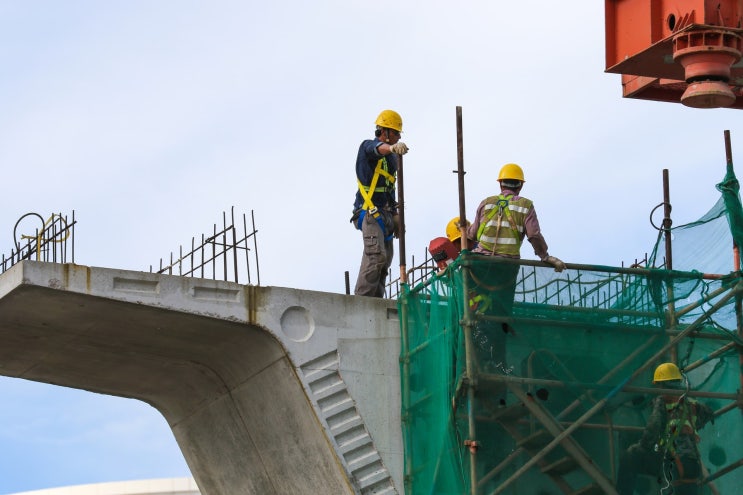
column 499, row 228
column 375, row 206
column 444, row 250
column 668, row 446
column 502, row 221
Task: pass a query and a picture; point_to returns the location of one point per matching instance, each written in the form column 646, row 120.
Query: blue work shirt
column 366, row 163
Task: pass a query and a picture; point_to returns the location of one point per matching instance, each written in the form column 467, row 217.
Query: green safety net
column 520, row 380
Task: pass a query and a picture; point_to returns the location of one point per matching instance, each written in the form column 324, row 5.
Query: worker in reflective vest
column 375, row 206
column 501, row 224
column 668, row 447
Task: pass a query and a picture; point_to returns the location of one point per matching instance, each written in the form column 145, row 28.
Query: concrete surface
column 267, row 390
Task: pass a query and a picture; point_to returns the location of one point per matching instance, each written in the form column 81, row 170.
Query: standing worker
column 375, row 207
column 499, row 228
column 502, row 221
column 668, row 446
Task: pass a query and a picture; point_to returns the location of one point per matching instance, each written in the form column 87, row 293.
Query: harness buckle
column 374, row 212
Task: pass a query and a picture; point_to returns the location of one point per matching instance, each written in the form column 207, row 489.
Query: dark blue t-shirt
column 366, row 163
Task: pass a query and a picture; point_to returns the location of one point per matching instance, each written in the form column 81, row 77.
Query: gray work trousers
column 376, row 260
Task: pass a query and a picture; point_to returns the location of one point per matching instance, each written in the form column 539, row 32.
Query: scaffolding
column 520, row 380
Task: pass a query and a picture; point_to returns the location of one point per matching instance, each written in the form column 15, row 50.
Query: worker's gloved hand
column 556, row 262
column 400, row 148
column 396, row 223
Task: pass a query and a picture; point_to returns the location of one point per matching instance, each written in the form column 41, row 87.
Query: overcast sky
column 150, row 119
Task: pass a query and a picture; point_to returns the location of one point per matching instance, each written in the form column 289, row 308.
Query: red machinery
column 677, row 50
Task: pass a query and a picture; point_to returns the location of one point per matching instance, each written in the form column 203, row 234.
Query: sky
column 149, row 119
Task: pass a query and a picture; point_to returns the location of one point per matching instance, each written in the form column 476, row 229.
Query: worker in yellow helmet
column 444, row 250
column 454, row 232
column 500, row 225
column 668, row 446
column 375, row 206
column 503, row 221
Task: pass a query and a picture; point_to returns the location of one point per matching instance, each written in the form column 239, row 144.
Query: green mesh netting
column 520, row 380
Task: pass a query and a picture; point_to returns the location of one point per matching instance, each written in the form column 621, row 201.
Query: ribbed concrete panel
column 222, row 362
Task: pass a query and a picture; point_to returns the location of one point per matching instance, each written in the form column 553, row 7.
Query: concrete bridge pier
column 267, row 390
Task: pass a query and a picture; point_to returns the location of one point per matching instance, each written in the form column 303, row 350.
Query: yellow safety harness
column 682, row 418
column 368, row 192
column 502, row 208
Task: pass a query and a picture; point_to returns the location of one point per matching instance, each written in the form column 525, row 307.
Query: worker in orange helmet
column 444, row 250
column 668, row 446
column 375, row 206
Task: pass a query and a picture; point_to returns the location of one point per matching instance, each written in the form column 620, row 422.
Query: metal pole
column 460, row 180
column 738, row 299
column 401, row 211
column 404, row 330
column 467, row 321
column 667, row 222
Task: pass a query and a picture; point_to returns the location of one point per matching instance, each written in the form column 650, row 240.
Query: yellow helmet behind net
column 389, row 119
column 666, row 372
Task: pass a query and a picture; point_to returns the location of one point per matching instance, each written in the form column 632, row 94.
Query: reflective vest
column 680, row 435
column 502, row 227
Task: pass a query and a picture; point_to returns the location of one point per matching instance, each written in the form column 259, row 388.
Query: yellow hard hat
column 452, row 229
column 511, row 171
column 666, row 372
column 389, row 119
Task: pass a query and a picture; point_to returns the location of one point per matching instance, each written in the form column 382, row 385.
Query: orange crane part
column 686, row 51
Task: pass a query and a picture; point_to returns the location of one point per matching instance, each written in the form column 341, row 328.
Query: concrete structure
column 164, row 486
column 267, row 390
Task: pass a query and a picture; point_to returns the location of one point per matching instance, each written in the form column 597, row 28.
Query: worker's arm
column 475, row 225
column 534, row 234
column 705, row 414
column 656, row 423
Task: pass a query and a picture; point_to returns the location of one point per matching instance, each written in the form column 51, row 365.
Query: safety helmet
column 511, row 171
column 389, row 119
column 666, row 372
column 452, row 229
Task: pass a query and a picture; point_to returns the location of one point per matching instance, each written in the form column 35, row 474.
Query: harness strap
column 502, row 204
column 367, row 192
column 378, row 218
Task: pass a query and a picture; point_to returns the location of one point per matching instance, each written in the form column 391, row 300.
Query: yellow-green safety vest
column 502, row 227
column 682, row 420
